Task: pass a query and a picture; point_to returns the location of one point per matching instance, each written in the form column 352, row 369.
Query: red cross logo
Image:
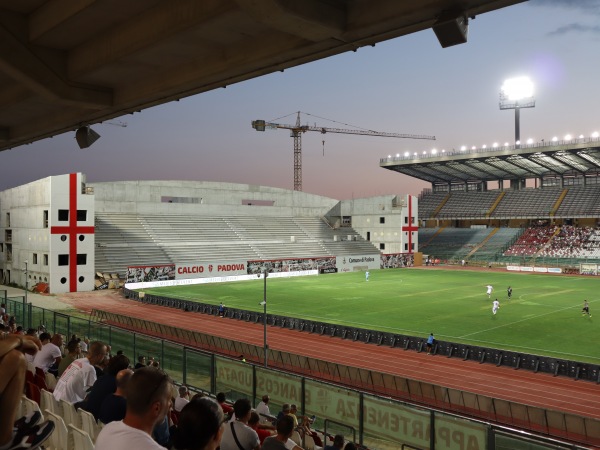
column 72, row 230
column 410, row 228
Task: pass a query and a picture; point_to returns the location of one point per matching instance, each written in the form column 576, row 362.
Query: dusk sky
column 406, row 85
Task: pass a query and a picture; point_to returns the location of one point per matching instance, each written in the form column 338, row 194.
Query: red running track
column 540, row 390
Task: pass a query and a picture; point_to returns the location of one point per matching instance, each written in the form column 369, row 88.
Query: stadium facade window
column 382, row 246
column 1, row 247
column 368, row 235
column 81, row 215
column 35, row 261
column 45, row 259
column 405, row 220
column 81, row 259
column 45, row 219
column 63, row 215
column 63, row 260
column 7, row 220
column 382, row 220
column 405, row 247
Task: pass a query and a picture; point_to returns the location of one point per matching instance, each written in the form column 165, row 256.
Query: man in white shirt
column 148, row 402
column 80, row 376
column 262, row 409
column 247, row 437
column 182, row 400
column 490, row 288
column 50, row 353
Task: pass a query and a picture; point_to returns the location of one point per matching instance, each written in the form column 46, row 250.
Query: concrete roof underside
column 577, row 158
column 67, row 63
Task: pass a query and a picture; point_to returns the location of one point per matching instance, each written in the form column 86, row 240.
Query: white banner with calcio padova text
column 210, row 269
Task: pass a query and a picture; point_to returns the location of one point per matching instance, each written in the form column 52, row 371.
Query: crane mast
column 297, row 130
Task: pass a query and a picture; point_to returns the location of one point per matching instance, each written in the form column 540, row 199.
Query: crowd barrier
column 517, row 360
column 386, row 411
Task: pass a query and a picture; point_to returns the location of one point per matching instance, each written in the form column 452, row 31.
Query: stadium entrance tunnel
column 518, row 361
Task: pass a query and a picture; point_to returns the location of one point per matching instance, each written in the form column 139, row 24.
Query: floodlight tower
column 517, row 93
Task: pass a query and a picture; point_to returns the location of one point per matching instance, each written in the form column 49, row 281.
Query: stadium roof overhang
column 69, row 63
column 576, row 158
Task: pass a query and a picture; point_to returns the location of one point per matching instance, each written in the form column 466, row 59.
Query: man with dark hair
column 285, row 429
column 338, row 443
column 73, row 353
column 227, row 409
column 238, row 434
column 51, row 354
column 148, row 402
column 106, row 384
column 141, row 362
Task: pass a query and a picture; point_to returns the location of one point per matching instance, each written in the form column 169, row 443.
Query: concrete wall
column 211, row 198
column 380, row 220
column 33, row 240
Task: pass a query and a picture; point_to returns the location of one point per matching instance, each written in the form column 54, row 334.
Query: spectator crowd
column 137, row 407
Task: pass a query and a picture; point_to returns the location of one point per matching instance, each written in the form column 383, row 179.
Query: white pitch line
column 518, row 321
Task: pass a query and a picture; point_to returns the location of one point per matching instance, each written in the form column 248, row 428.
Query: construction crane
column 297, row 130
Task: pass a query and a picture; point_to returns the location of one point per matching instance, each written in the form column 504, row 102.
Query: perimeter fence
column 320, row 388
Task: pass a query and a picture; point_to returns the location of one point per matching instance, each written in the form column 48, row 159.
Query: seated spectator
column 200, row 427
column 237, row 433
column 182, row 400
column 306, row 429
column 80, row 375
column 292, row 414
column 50, row 354
column 282, row 441
column 254, row 423
column 24, row 433
column 350, row 446
column 338, row 443
column 84, row 344
column 148, row 402
column 262, row 409
column 141, row 362
column 227, row 409
column 114, row 406
column 73, row 353
column 285, row 410
column 105, row 385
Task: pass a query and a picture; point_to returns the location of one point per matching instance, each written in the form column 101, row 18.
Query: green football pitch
column 543, row 317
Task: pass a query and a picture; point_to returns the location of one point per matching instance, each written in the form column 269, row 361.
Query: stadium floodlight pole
column 264, row 304
column 517, row 93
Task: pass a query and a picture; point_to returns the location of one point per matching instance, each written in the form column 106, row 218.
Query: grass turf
column 543, row 317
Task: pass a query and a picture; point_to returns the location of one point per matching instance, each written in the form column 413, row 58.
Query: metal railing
column 382, row 422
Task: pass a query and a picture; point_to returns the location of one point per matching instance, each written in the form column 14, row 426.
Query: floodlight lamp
column 568, row 137
column 415, row 154
column 434, row 151
column 473, row 148
column 484, row 146
column 530, row 141
column 443, row 150
column 495, row 145
column 406, row 154
column 515, row 89
column 518, row 142
column 581, row 136
column 389, row 156
column 554, row 139
column 595, row 134
column 397, row 155
column 424, row 152
column 463, row 148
